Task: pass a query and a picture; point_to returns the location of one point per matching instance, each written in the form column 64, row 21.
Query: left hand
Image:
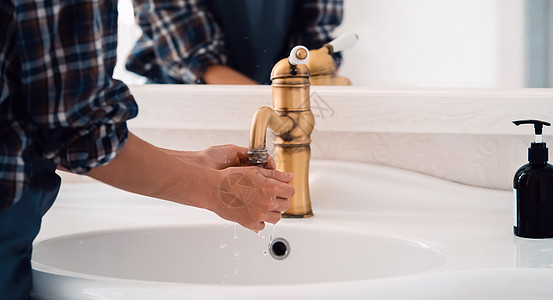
column 221, row 157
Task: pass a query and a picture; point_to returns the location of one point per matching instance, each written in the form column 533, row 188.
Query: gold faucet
column 292, row 122
column 291, row 118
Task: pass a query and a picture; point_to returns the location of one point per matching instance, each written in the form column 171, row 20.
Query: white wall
column 128, row 33
column 435, row 43
column 408, row 43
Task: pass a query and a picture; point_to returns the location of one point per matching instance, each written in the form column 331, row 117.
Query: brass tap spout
column 264, row 118
column 292, row 122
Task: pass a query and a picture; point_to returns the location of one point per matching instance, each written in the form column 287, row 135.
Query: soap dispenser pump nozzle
column 537, row 153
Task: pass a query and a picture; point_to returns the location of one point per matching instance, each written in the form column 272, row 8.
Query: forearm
column 221, row 74
column 144, row 169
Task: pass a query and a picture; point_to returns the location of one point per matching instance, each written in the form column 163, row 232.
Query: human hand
column 222, row 74
column 225, row 156
column 251, row 196
column 247, row 195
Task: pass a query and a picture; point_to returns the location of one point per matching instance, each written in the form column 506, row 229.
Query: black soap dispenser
column 533, row 190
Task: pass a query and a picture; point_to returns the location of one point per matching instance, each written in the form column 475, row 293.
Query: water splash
column 266, row 252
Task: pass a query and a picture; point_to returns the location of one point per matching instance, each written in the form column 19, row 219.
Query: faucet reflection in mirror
column 321, row 66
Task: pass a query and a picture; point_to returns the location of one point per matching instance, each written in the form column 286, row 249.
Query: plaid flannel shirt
column 182, row 38
column 57, row 96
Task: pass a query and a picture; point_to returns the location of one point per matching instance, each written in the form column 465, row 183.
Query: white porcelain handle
column 345, row 41
column 294, row 59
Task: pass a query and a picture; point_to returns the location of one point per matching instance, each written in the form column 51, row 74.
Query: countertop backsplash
column 479, row 160
column 473, row 143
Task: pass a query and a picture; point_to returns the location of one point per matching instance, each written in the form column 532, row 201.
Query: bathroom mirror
column 429, row 43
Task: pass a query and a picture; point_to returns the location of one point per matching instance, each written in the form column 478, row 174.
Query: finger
column 235, row 155
column 284, row 190
column 270, row 164
column 273, row 217
column 241, row 154
column 258, row 227
column 277, row 175
column 281, row 205
column 253, row 225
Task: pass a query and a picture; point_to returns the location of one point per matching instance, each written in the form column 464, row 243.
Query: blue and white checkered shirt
column 57, row 95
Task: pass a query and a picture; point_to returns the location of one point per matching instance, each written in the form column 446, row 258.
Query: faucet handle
column 343, row 42
column 299, row 55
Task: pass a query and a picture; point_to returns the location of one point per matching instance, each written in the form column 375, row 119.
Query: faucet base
column 295, row 159
column 291, row 216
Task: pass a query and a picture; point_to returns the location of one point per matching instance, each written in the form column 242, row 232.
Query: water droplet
column 223, row 246
column 235, row 232
column 273, row 232
column 236, row 270
column 270, row 240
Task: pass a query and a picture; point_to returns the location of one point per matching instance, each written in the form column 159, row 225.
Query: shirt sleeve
column 184, row 35
column 316, row 20
column 67, row 53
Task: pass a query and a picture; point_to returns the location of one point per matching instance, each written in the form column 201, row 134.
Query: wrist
column 193, row 157
column 200, row 188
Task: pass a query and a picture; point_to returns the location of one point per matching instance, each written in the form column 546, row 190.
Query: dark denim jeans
column 19, row 225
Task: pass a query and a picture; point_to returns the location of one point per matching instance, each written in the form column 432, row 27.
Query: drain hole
column 279, row 248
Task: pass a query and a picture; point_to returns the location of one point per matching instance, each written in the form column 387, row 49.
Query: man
column 60, row 108
column 226, row 42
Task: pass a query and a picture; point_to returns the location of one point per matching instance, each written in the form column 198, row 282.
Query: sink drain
column 279, row 248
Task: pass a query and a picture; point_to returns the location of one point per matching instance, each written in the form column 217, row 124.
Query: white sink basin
column 212, row 255
column 377, row 231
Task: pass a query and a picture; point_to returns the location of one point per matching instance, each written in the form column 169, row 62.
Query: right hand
column 251, row 196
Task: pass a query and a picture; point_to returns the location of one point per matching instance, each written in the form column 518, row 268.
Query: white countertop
column 472, row 226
